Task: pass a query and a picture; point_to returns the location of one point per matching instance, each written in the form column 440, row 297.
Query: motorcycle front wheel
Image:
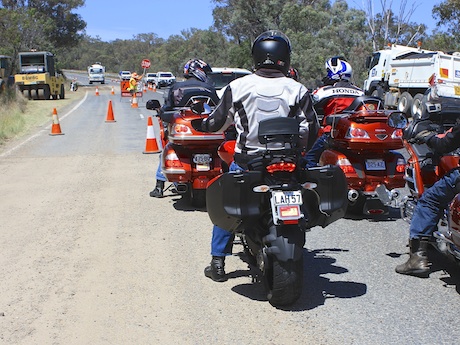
column 284, row 281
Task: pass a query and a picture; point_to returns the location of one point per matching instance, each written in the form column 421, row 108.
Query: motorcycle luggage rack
column 279, row 130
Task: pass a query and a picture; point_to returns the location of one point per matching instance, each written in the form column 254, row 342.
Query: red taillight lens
column 401, row 165
column 281, row 166
column 345, row 165
column 172, row 161
column 397, row 134
column 354, row 133
column 182, row 129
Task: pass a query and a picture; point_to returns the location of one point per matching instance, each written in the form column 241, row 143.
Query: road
column 87, row 257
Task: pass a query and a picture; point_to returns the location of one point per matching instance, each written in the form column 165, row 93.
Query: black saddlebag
column 328, row 201
column 230, row 200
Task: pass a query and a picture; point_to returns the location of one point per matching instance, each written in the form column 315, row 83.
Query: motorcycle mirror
column 153, row 104
column 397, row 119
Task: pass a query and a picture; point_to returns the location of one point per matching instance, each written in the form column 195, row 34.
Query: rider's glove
column 423, row 137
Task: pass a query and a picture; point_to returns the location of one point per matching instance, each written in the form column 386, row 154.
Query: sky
column 116, row 19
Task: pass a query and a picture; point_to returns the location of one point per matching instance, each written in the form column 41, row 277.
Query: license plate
column 202, row 161
column 375, row 164
column 282, row 198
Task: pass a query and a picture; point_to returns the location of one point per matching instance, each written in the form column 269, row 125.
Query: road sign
column 145, row 63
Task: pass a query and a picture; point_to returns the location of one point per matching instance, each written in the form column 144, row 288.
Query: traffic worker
column 133, row 82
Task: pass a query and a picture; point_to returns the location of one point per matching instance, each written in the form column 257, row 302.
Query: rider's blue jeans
column 432, row 203
column 222, row 240
column 313, row 155
column 159, row 175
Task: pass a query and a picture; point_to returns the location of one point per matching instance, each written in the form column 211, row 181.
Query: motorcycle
column 364, row 146
column 273, row 203
column 424, row 168
column 189, row 157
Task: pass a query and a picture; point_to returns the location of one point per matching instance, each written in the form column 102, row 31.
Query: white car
column 125, row 75
column 165, row 79
column 150, row 78
column 220, row 77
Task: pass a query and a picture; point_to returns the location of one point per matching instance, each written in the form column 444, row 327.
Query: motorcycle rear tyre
column 284, row 282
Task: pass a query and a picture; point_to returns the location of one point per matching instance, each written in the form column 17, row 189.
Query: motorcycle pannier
column 231, row 201
column 328, row 201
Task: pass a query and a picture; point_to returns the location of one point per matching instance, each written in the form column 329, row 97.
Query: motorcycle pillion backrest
column 364, row 103
column 279, row 130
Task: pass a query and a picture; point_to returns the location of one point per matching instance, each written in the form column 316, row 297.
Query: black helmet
column 272, row 49
column 197, row 68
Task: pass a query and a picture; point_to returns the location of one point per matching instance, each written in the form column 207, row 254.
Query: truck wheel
column 378, row 92
column 46, row 92
column 417, row 106
column 62, row 93
column 405, row 102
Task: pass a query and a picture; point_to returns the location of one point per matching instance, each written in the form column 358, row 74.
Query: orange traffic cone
column 154, row 87
column 97, row 91
column 149, row 86
column 151, row 145
column 113, row 91
column 145, row 88
column 56, row 127
column 110, row 117
column 134, row 101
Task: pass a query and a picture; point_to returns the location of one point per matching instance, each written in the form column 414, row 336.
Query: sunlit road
column 87, row 257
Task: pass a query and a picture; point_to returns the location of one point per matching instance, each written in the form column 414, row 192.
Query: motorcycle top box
column 364, row 127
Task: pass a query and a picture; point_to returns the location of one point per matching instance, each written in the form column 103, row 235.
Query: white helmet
column 338, row 69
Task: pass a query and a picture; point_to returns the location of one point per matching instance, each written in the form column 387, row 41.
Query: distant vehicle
column 221, row 76
column 150, row 78
column 38, row 76
column 125, row 75
column 400, row 75
column 96, row 73
column 165, row 79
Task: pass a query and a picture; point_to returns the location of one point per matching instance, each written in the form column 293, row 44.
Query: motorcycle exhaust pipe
column 181, row 188
column 353, row 195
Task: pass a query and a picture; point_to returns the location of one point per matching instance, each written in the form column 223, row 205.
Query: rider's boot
column 417, row 264
column 158, row 191
column 215, row 270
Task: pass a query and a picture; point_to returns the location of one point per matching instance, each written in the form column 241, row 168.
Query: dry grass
column 19, row 116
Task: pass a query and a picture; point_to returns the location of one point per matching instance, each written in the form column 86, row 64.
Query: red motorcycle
column 363, row 145
column 424, row 168
column 189, row 157
column 271, row 205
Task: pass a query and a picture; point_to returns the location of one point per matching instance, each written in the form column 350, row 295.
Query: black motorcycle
column 273, row 203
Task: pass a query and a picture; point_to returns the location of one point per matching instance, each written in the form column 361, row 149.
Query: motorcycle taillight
column 181, row 129
column 400, row 165
column 354, row 133
column 281, row 166
column 397, row 134
column 345, row 165
column 172, row 161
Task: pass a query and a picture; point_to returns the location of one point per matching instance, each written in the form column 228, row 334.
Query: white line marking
column 6, row 153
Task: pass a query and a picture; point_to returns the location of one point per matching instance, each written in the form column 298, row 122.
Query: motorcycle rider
column 431, row 204
column 196, row 83
column 247, row 100
column 336, row 95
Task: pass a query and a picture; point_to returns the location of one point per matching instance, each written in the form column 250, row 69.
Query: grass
column 20, row 116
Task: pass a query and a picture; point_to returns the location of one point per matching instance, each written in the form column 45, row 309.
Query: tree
column 385, row 26
column 447, row 13
column 49, row 21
